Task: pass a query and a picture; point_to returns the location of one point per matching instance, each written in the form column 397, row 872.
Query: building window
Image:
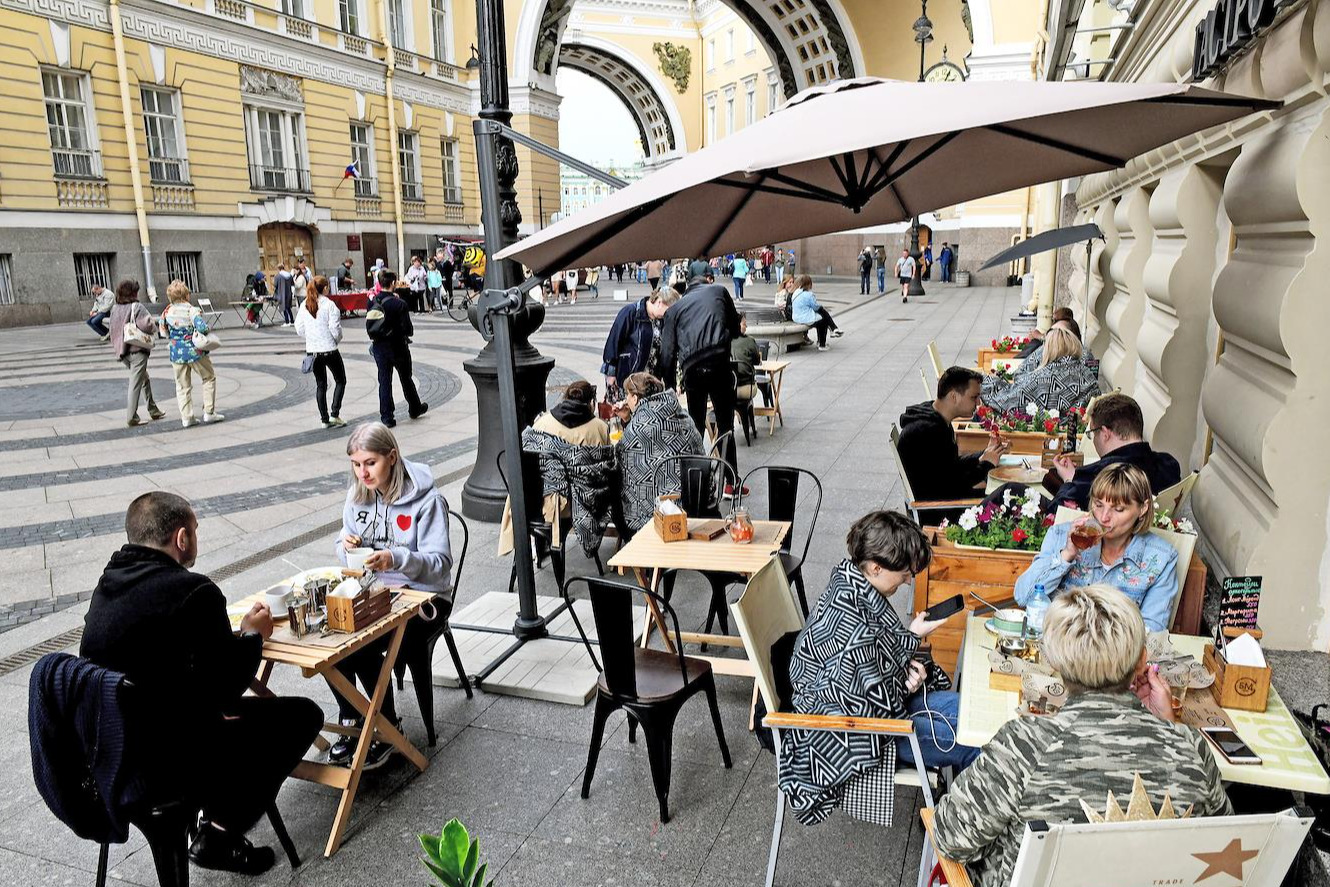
column 452, row 176
column 73, row 148
column 729, row 113
column 166, row 142
column 408, row 158
column 396, row 23
column 276, row 143
column 6, row 281
column 362, row 154
column 729, row 45
column 752, row 43
column 440, row 13
column 184, row 267
column 349, row 13
column 92, row 269
column 711, row 54
column 750, row 99
column 773, row 95
column 711, row 119
column 295, row 8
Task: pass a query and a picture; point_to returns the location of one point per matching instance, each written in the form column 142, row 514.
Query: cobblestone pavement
column 268, row 483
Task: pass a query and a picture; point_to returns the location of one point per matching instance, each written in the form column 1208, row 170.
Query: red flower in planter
column 994, row 343
column 1050, row 426
column 1048, row 520
column 1019, row 535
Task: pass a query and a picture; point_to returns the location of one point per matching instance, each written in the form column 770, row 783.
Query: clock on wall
column 944, row 71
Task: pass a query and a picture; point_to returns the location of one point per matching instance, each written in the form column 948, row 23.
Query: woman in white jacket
column 319, row 321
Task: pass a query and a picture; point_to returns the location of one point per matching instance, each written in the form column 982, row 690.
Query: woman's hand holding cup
column 350, row 540
column 379, row 561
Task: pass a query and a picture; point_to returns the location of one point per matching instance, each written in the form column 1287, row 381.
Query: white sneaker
column 189, row 422
column 213, row 417
column 836, row 334
column 823, row 348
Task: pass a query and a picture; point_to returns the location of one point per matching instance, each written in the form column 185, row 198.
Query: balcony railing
column 412, row 191
column 452, row 194
column 278, row 178
column 168, row 170
column 76, row 163
column 367, row 187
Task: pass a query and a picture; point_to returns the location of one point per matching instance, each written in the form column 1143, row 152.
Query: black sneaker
column 416, row 414
column 342, row 750
column 213, row 848
column 391, row 423
column 379, row 753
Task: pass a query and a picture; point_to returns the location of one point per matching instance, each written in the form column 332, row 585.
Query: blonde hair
column 177, row 291
column 1059, row 343
column 666, row 294
column 1093, row 637
column 1124, row 484
column 375, row 437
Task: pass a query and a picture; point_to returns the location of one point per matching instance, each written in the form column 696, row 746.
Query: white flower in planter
column 1032, row 409
column 969, row 519
column 1030, row 508
column 1053, row 414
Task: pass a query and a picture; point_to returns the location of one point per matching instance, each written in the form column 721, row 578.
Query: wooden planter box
column 972, row 437
column 986, row 356
column 992, row 575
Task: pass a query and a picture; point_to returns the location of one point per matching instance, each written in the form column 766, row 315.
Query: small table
column 317, row 657
column 265, row 309
column 646, row 551
column 1289, row 762
column 776, row 370
column 1007, row 474
column 350, row 302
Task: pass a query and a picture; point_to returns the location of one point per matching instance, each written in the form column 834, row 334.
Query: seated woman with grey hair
column 1117, row 723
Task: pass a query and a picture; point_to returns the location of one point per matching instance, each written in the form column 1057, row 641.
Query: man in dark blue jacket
column 388, row 325
column 633, row 345
column 1117, row 430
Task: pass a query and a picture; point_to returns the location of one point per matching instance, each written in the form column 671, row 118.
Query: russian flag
column 351, row 172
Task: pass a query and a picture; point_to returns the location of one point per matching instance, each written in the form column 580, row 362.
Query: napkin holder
column 1243, row 687
column 350, row 614
column 671, row 527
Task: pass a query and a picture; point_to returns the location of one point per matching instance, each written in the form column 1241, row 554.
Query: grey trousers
column 139, row 384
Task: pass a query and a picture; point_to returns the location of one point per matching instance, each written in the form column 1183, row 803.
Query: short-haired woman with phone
column 854, row 658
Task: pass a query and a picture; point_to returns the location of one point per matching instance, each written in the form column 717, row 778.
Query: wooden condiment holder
column 359, row 612
column 1243, row 687
column 671, row 527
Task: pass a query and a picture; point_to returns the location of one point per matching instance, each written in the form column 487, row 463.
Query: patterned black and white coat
column 658, row 429
column 850, row 660
column 1060, row 385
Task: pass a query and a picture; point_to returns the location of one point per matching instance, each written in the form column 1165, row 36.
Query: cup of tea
column 1086, row 535
column 355, row 557
column 276, row 597
column 1177, row 695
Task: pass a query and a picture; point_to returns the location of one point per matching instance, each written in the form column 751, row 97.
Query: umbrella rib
column 783, row 192
column 883, row 165
column 850, row 175
column 841, row 174
column 725, row 224
column 1045, row 141
column 1222, row 101
column 889, row 178
column 796, row 183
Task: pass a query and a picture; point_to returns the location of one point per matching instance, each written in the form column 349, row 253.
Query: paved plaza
column 268, row 484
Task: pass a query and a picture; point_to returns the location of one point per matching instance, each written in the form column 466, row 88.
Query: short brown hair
column 177, row 291
column 581, row 391
column 1070, row 323
column 1120, row 414
column 1124, row 484
column 643, row 385
column 889, row 539
column 957, row 379
column 1063, row 313
column 126, row 291
column 805, row 282
column 153, row 518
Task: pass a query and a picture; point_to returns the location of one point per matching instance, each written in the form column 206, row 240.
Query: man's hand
column 915, row 675
column 259, row 619
column 380, row 561
column 1154, row 694
column 923, row 626
column 997, row 447
column 1064, row 466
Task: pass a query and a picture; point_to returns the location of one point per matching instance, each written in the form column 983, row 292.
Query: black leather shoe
column 213, row 848
column 424, row 408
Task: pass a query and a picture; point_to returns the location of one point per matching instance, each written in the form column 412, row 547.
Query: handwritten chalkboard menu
column 1239, row 601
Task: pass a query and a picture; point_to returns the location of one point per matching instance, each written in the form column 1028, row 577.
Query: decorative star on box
column 1228, row 861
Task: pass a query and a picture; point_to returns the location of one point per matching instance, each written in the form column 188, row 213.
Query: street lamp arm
column 494, row 127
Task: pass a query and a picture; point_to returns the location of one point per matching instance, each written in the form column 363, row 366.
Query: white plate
column 1003, row 633
column 298, row 580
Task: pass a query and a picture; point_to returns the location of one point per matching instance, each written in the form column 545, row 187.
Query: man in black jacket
column 1117, row 430
column 932, row 460
column 695, row 337
column 167, row 630
column 388, row 324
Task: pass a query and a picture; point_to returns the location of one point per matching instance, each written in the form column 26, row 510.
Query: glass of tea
column 1086, row 535
column 1177, row 695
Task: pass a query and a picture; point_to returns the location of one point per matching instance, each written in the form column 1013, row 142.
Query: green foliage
column 1011, row 524
column 452, row 856
column 676, row 63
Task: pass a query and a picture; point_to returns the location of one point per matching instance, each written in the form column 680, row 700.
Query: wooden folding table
column 776, row 370
column 316, row 656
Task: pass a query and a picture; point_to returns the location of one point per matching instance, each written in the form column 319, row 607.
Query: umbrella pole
column 1088, row 245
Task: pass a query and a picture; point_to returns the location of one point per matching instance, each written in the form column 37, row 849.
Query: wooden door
column 284, row 243
column 374, row 247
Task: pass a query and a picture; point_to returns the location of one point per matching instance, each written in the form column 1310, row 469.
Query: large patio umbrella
column 1041, row 243
column 870, row 152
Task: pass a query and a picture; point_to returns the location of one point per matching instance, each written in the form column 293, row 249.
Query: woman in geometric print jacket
column 1128, row 556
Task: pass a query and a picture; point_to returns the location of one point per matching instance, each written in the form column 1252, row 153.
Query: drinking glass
column 741, row 527
column 1086, row 535
column 1177, row 694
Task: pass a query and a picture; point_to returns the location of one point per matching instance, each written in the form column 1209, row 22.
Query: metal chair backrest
column 763, row 614
column 699, row 488
column 717, row 448
column 459, row 560
column 533, row 485
column 783, row 499
column 612, row 609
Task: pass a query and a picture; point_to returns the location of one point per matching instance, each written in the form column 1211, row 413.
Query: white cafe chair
column 211, row 316
column 937, row 360
column 1177, row 495
column 916, row 506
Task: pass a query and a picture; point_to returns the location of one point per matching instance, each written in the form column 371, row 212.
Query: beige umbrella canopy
column 870, row 152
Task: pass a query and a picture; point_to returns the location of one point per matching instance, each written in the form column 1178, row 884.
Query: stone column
column 1093, row 326
column 1176, row 281
column 1127, row 305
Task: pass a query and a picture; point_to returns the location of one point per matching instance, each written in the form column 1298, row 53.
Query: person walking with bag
column 388, row 323
column 132, row 329
column 283, row 291
column 320, row 323
column 189, row 343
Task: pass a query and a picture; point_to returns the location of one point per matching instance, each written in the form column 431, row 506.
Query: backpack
column 378, row 325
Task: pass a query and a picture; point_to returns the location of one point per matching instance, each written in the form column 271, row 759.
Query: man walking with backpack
column 388, row 324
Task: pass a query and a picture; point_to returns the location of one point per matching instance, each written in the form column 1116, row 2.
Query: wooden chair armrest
column 930, row 504
column 954, row 872
column 791, row 721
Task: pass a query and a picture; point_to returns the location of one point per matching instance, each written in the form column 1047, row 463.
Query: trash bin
column 1027, row 288
column 962, row 278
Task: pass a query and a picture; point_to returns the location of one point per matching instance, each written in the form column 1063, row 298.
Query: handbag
column 307, row 365
column 133, row 335
column 206, row 342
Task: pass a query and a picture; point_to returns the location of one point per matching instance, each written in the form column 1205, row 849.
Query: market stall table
column 350, row 302
column 1288, row 762
column 316, row 656
column 647, row 555
column 264, row 309
column 776, row 370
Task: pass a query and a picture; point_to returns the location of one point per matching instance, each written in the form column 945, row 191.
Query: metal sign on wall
column 353, row 242
column 1229, row 30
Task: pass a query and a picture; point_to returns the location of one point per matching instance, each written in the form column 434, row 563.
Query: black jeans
column 323, row 363
column 824, row 323
column 364, row 664
column 394, row 355
column 652, row 282
column 713, row 378
column 863, row 282
column 276, row 733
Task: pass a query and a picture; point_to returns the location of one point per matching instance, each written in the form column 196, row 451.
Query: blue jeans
column 945, row 705
column 946, row 272
column 881, row 279
column 98, row 323
column 739, row 286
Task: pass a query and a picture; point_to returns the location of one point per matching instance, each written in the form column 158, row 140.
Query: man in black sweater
column 695, row 337
column 388, row 325
column 1117, row 430
column 167, row 630
column 932, row 460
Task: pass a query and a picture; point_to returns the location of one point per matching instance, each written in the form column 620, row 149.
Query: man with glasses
column 1117, row 430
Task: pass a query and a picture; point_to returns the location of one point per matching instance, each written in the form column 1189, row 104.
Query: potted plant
column 1016, row 524
column 453, row 857
column 1007, row 345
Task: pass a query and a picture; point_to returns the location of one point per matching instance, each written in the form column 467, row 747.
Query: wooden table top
column 771, row 366
column 647, row 550
column 1031, row 477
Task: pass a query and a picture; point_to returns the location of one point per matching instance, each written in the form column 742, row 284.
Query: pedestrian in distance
column 181, row 322
column 446, row 270
column 388, row 324
column 905, row 273
column 804, row 308
column 284, row 291
column 654, row 271
column 417, row 279
column 320, row 323
column 880, row 260
column 300, row 278
column 790, row 263
column 129, row 312
column 740, row 276
column 768, row 259
column 345, row 280
column 928, row 263
column 103, row 300
column 780, row 266
column 865, row 269
column 434, row 286
column 259, row 291
column 945, row 259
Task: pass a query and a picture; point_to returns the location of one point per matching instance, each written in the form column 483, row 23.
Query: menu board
column 1239, row 601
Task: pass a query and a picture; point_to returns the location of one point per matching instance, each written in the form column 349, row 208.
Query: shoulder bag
column 133, row 335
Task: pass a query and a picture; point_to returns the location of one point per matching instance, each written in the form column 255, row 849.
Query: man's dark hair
column 889, row 539
column 387, row 279
column 957, row 379
column 1071, row 324
column 1120, row 414
column 153, row 518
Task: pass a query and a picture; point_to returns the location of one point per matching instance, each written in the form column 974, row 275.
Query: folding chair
column 1176, row 496
column 211, row 316
column 915, row 506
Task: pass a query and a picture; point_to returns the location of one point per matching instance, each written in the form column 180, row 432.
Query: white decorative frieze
column 270, row 84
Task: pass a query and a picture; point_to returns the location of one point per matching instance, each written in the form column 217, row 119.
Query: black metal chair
column 417, row 652
column 743, row 408
column 783, row 505
column 650, row 685
column 541, row 530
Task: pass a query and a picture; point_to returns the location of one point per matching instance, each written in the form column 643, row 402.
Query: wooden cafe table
column 1288, row 762
column 316, row 656
column 776, row 370
column 648, row 556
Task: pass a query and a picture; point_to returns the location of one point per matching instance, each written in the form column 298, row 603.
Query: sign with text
column 353, row 243
column 1239, row 601
column 1228, row 30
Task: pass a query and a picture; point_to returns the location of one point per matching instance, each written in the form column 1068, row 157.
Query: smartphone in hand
column 943, row 609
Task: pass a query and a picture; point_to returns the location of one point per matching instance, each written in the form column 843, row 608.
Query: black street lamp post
column 923, row 35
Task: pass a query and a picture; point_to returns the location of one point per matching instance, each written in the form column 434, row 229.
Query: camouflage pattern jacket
column 1038, row 768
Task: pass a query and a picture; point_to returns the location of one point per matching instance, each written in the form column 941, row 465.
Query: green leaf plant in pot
column 453, row 856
